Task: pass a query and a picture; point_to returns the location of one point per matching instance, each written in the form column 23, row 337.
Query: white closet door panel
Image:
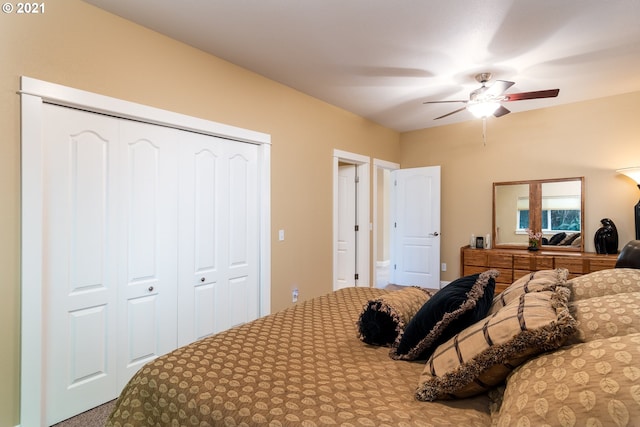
column 219, row 241
column 203, row 315
column 148, row 263
column 240, row 309
column 206, row 199
column 201, row 194
column 242, row 272
column 80, row 278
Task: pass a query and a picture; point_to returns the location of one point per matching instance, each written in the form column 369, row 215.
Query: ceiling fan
column 486, row 100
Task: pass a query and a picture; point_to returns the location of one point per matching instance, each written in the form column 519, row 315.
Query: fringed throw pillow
column 382, row 319
column 483, row 355
column 536, row 281
column 454, row 307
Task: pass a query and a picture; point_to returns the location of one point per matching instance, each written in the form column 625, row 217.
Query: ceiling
column 381, row 59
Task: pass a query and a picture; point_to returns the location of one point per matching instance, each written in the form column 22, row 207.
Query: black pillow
column 557, row 238
column 458, row 305
column 385, row 317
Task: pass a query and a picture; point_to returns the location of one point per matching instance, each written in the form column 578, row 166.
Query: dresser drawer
column 497, row 260
column 473, row 269
column 544, row 262
column 574, row 265
column 506, row 275
column 532, row 263
column 477, row 257
column 602, row 264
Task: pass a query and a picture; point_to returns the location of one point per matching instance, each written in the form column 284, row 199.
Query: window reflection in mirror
column 561, row 206
column 553, row 206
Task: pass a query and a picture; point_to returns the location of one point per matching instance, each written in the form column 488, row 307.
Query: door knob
column 150, row 288
column 202, row 279
column 435, row 233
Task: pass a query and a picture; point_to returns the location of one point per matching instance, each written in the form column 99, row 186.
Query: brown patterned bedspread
column 303, row 366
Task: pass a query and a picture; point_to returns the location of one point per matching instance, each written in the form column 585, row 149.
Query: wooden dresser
column 515, row 263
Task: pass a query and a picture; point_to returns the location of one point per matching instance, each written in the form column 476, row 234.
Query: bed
column 308, row 365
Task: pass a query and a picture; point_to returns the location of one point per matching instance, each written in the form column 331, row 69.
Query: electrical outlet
column 294, row 295
column 443, row 266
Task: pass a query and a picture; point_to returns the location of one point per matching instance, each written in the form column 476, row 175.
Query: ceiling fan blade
column 501, row 111
column 498, row 88
column 442, row 102
column 549, row 93
column 453, row 112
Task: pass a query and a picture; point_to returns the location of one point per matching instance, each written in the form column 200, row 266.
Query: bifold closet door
column 147, row 259
column 151, row 239
column 110, row 269
column 218, row 236
column 81, row 248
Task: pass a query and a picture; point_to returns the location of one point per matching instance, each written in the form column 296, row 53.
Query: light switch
column 281, row 235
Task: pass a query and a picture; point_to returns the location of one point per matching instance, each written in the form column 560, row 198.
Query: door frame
column 363, row 257
column 33, row 94
column 379, row 164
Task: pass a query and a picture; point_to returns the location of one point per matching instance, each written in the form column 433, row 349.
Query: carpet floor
column 96, row 417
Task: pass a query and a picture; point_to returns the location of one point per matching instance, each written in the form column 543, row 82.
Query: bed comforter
column 304, row 366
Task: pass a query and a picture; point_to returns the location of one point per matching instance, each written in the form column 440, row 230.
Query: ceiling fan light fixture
column 633, row 173
column 483, row 109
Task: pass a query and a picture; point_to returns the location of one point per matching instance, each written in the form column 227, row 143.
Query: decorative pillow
column 454, row 307
column 569, row 239
column 557, row 238
column 382, row 319
column 542, row 280
column 590, row 384
column 605, row 282
column 482, row 355
column 577, row 242
column 605, row 317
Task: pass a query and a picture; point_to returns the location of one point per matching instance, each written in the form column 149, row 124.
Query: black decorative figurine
column 606, row 238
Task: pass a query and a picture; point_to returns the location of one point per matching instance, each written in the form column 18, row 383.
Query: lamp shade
column 483, row 109
column 633, row 173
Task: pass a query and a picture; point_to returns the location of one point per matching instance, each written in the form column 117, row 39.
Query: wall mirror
column 553, row 206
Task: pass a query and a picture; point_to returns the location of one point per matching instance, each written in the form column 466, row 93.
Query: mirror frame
column 535, row 210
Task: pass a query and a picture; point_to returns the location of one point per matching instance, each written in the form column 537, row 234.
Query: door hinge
column 355, row 276
column 357, row 227
column 357, row 179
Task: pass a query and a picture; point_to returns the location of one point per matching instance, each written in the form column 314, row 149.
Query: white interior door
column 347, row 241
column 148, row 252
column 416, row 227
column 80, row 279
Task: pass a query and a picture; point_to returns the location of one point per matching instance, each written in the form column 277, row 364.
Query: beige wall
column 77, row 45
column 589, row 139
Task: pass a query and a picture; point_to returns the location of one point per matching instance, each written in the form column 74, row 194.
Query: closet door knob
column 150, row 288
column 202, row 279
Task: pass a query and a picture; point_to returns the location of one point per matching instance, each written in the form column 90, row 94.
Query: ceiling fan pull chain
column 484, row 131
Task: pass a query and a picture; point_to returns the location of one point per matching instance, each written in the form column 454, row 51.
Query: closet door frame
column 34, row 93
